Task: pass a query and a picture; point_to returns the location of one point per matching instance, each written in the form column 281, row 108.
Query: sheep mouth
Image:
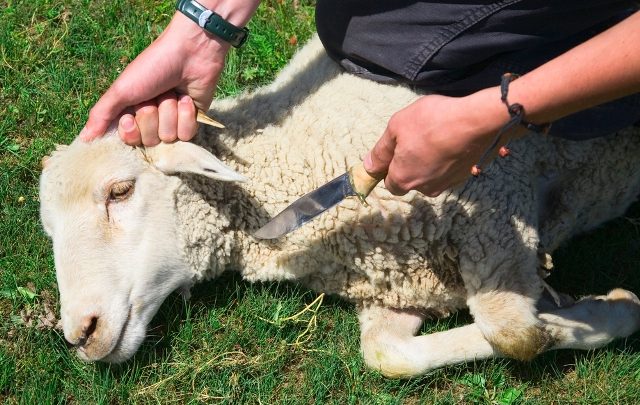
column 123, row 331
column 114, row 355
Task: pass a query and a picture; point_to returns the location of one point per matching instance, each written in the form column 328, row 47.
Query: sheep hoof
column 621, row 294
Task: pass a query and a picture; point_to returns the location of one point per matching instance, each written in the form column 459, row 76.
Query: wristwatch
column 213, row 23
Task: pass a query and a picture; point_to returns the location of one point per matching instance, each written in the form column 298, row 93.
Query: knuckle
column 168, row 95
column 394, row 187
column 119, row 90
column 97, row 114
column 168, row 104
column 146, row 109
column 130, row 139
column 151, row 141
column 394, row 123
column 186, row 135
column 186, row 109
column 168, row 137
column 378, row 152
column 167, row 100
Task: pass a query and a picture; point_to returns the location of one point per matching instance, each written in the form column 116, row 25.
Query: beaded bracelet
column 516, row 114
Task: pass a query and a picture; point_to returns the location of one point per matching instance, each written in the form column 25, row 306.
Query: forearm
column 602, row 69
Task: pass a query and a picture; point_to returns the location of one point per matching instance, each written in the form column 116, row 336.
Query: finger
column 168, row 117
column 187, row 125
column 128, row 130
column 377, row 161
column 393, row 184
column 393, row 188
column 147, row 120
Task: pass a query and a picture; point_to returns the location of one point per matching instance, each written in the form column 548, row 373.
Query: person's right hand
column 431, row 144
column 156, row 96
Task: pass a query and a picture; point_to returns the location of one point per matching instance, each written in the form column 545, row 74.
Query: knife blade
column 355, row 182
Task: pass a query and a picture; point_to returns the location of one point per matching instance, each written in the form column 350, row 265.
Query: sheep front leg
column 389, row 343
column 593, row 322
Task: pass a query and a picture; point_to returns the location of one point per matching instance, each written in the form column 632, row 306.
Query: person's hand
column 156, row 96
column 432, row 144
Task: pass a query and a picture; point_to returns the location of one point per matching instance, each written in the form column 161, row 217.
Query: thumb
column 104, row 112
column 377, row 161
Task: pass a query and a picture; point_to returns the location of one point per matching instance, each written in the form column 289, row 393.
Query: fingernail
column 127, row 123
column 185, row 100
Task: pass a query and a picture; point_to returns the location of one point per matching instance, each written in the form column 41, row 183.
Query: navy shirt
column 459, row 47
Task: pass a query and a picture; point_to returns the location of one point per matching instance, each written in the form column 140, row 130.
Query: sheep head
column 109, row 210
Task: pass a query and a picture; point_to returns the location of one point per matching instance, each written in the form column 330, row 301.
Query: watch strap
column 213, row 22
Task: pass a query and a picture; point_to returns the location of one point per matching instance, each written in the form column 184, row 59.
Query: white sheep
column 127, row 232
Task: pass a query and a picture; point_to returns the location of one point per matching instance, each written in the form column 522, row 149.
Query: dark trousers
column 460, row 47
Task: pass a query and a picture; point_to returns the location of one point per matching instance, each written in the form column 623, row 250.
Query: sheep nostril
column 92, row 326
column 88, row 331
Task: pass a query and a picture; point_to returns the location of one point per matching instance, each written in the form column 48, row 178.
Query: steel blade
column 307, row 207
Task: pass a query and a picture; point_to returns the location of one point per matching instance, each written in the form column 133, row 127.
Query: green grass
column 232, row 342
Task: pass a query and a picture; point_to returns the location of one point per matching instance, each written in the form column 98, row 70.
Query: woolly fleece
column 314, row 122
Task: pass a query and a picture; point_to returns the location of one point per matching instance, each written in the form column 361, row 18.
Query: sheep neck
column 206, row 227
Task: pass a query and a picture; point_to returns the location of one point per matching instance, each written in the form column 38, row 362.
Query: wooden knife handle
column 362, row 182
column 203, row 118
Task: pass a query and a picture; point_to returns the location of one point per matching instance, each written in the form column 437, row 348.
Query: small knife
column 355, row 182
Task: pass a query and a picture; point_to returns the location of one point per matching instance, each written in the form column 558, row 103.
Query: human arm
column 431, row 144
column 156, row 95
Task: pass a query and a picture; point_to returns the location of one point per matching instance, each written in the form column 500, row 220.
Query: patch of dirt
column 42, row 314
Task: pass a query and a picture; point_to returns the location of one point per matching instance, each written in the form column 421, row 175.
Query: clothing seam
column 448, row 33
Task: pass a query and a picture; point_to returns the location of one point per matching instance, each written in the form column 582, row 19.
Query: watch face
column 242, row 37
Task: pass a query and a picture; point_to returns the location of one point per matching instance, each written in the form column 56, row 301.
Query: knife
column 355, row 182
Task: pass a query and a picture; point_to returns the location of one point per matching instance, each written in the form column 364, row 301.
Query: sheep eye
column 121, row 191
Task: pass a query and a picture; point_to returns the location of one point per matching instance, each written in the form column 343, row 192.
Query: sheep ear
column 44, row 162
column 186, row 157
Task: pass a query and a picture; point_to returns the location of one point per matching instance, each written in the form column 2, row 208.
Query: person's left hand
column 431, row 144
column 156, row 96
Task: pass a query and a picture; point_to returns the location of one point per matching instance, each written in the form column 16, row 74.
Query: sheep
column 131, row 225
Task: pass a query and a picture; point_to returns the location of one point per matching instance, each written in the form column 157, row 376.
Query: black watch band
column 213, row 22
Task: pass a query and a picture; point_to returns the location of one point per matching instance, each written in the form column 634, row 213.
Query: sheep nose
column 88, row 326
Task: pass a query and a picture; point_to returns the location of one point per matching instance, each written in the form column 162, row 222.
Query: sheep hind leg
column 390, row 345
column 509, row 321
column 593, row 322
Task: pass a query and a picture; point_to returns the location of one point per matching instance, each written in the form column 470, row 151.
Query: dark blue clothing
column 459, row 47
